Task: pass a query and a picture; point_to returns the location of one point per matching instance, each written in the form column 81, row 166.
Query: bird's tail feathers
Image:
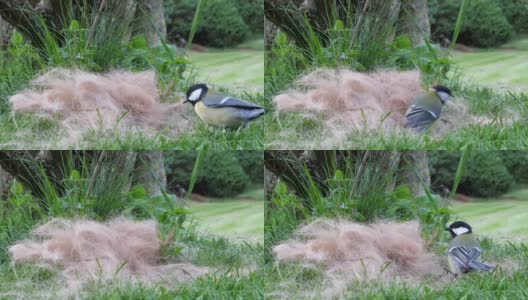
column 256, row 113
column 480, row 266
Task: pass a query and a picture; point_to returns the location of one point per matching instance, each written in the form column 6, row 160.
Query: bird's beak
column 186, row 101
column 446, row 229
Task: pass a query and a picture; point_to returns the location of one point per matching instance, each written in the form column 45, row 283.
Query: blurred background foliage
column 223, row 174
column 486, row 174
column 225, row 23
column 487, row 23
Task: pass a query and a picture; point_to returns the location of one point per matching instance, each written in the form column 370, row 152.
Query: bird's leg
column 444, row 121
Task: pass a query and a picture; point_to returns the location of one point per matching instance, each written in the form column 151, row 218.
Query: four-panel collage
column 263, row 149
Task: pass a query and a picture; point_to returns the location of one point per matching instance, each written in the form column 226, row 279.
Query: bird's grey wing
column 419, row 117
column 220, row 100
column 465, row 258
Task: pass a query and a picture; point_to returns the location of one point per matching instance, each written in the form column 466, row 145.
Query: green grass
column 503, row 69
column 236, row 69
column 501, row 220
column 234, row 219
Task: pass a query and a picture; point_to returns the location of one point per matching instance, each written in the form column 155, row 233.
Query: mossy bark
column 5, row 33
column 149, row 172
column 414, row 21
column 150, row 21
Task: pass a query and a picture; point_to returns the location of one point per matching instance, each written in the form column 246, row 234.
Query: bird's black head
column 458, row 228
column 443, row 92
column 196, row 92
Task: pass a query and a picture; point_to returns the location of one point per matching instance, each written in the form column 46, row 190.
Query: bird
column 464, row 250
column 427, row 108
column 220, row 110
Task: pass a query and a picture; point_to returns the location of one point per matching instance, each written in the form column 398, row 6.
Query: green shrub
column 484, row 24
column 221, row 174
column 178, row 167
column 253, row 164
column 221, row 24
column 252, row 11
column 484, row 175
column 516, row 11
column 517, row 163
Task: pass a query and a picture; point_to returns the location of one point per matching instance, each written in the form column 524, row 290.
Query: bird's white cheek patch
column 444, row 96
column 195, row 95
column 460, row 230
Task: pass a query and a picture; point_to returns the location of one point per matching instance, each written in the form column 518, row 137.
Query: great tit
column 427, row 108
column 221, row 110
column 464, row 250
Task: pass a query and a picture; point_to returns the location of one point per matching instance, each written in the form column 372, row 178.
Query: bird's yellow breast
column 225, row 117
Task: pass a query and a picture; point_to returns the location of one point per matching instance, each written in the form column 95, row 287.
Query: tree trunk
column 150, row 21
column 414, row 172
column 5, row 33
column 5, row 183
column 149, row 171
column 270, row 30
column 414, row 21
column 288, row 16
column 23, row 15
column 31, row 168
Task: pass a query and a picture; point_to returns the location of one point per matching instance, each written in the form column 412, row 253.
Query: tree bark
column 23, row 15
column 150, row 21
column 149, row 171
column 414, row 21
column 5, row 33
column 287, row 15
column 270, row 180
column 414, row 172
column 270, row 30
column 5, row 183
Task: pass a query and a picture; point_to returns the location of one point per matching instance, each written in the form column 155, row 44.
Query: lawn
column 233, row 219
column 501, row 220
column 503, row 68
column 237, row 69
